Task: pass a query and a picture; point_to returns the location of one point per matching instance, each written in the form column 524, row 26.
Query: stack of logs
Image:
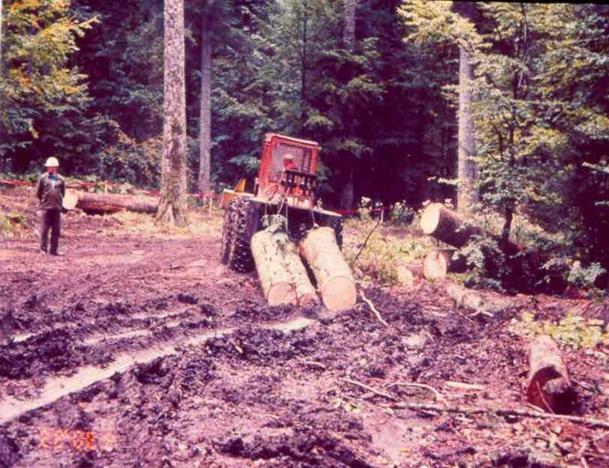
column 284, row 277
column 525, row 269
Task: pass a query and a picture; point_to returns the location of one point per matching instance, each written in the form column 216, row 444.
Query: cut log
column 548, row 384
column 107, row 203
column 473, row 300
column 448, row 227
column 70, row 200
column 305, row 291
column 283, row 276
column 334, row 278
column 435, row 266
column 438, row 263
column 404, row 275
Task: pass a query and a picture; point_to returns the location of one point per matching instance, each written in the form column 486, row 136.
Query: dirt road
column 138, row 348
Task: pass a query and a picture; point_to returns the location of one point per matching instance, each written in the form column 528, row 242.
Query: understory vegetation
column 83, row 80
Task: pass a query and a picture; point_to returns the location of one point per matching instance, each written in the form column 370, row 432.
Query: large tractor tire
column 239, row 227
column 227, row 233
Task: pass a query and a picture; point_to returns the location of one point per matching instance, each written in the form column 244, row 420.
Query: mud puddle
column 56, row 388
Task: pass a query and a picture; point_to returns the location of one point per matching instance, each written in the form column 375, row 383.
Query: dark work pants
column 50, row 220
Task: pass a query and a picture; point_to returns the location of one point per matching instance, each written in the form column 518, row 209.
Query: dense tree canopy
column 83, row 80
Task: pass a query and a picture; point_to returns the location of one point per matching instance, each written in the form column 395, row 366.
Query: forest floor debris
column 287, row 386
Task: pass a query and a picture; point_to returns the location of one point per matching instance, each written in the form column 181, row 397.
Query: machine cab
column 288, row 170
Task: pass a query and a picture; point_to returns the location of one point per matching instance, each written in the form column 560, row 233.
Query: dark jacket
column 51, row 192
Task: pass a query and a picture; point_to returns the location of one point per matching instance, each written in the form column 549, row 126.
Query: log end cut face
column 339, row 293
column 430, row 218
column 281, row 293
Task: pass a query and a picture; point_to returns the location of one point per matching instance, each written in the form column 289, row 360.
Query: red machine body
column 288, row 168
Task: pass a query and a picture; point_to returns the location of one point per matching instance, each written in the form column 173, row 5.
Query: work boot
column 56, row 254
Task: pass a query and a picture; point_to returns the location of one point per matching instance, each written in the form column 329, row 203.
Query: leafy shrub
column 573, row 330
column 383, row 253
column 131, row 162
column 401, row 214
column 487, row 267
column 11, row 225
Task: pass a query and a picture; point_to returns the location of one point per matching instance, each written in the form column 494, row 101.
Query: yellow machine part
column 228, row 195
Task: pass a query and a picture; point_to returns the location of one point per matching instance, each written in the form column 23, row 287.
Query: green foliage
column 574, row 330
column 12, row 225
column 487, row 267
column 540, row 109
column 43, row 98
column 132, row 162
column 401, row 214
column 385, row 252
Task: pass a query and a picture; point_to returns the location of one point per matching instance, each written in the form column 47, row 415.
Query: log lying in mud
column 334, row 278
column 283, row 276
column 438, row 263
column 548, row 384
column 448, row 226
column 107, row 203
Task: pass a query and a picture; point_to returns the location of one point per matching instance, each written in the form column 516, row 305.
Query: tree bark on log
column 283, row 276
column 473, row 300
column 334, row 278
column 107, row 203
column 548, row 384
column 449, row 227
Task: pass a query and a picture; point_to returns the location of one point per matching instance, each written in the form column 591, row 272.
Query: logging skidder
column 285, row 185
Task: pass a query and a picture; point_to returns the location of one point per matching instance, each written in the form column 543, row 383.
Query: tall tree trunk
column 205, row 113
column 303, row 67
column 467, row 193
column 347, row 198
column 1, row 37
column 172, row 204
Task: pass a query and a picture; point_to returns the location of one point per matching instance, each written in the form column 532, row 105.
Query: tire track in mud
column 59, row 387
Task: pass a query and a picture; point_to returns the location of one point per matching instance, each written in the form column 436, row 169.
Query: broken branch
column 373, row 309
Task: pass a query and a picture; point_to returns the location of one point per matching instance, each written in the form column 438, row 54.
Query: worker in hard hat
column 50, row 191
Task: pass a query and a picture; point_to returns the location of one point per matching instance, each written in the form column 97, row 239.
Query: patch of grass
column 201, row 224
column 574, row 330
column 386, row 249
column 12, row 225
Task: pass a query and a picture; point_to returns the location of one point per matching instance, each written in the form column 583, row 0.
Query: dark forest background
column 83, row 80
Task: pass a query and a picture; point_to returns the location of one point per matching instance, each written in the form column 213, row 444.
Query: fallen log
column 435, row 266
column 548, row 384
column 473, row 300
column 108, row 203
column 448, row 226
column 283, row 277
column 438, row 263
column 334, row 278
column 519, row 269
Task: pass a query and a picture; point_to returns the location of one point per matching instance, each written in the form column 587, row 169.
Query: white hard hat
column 51, row 162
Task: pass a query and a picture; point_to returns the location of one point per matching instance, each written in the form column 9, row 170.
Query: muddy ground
column 137, row 348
